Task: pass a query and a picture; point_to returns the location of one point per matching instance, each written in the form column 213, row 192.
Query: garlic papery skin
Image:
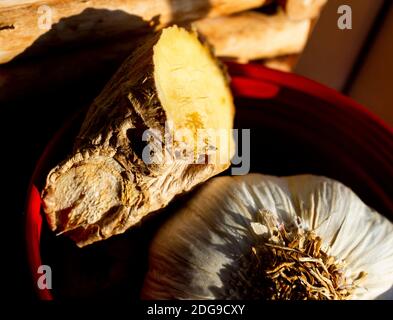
column 197, row 254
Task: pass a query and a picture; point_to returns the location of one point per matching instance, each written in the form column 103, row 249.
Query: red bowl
column 297, row 126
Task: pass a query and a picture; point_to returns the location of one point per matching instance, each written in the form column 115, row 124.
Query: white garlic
column 197, row 253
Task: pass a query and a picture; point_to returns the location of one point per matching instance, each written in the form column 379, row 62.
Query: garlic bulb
column 266, row 237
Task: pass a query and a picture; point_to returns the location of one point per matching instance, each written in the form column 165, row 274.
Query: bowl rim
column 247, row 81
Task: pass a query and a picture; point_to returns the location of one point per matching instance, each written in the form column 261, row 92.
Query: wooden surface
column 332, row 55
column 330, row 52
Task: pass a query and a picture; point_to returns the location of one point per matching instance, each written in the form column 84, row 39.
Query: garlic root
column 214, row 247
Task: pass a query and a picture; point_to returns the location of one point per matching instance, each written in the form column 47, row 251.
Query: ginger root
column 170, row 84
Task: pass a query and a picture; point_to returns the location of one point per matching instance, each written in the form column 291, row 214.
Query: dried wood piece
column 60, row 22
column 252, row 35
column 109, row 183
column 302, row 9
